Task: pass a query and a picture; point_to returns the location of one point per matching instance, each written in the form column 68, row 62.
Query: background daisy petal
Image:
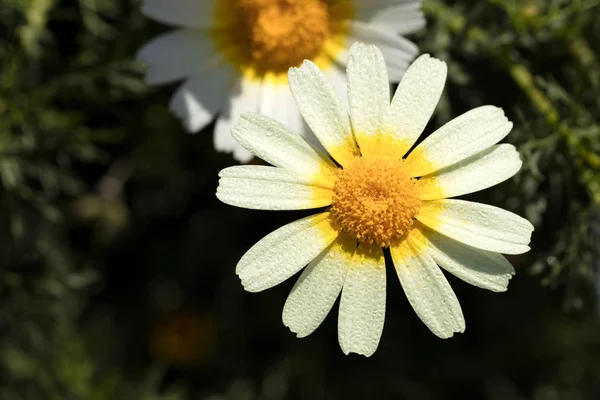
column 469, row 134
column 288, row 114
column 484, row 269
column 323, row 111
column 398, row 16
column 362, row 306
column 428, row 291
column 415, row 100
column 269, row 102
column 244, row 98
column 368, row 91
column 188, row 13
column 337, row 76
column 316, row 290
column 282, row 253
column 202, row 96
column 269, row 188
column 277, row 102
column 280, row 146
column 175, row 55
column 479, row 225
column 478, row 172
column 397, row 51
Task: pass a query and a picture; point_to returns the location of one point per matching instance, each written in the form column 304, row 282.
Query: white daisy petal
column 176, row 55
column 282, row 253
column 288, row 113
column 362, row 307
column 337, row 77
column 376, row 6
column 479, row 225
column 415, row 100
column 277, row 102
column 317, row 289
column 244, row 98
column 478, row 172
column 189, row 13
column 201, row 97
column 401, row 19
column 469, row 134
column 397, row 51
column 269, row 188
column 278, row 145
column 269, row 102
column 428, row 291
column 323, row 110
column 368, row 89
column 484, row 269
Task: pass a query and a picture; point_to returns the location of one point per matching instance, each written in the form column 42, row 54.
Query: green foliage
column 109, row 226
column 542, row 50
column 46, row 134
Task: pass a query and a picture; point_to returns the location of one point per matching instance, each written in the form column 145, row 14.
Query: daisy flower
column 233, row 55
column 375, row 194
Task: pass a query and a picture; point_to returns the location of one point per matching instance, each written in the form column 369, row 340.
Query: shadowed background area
column 117, row 261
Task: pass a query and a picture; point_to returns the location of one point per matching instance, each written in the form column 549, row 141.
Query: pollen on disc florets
column 375, row 200
column 278, row 34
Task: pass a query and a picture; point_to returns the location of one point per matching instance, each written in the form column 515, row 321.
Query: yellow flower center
column 282, row 33
column 263, row 37
column 375, row 200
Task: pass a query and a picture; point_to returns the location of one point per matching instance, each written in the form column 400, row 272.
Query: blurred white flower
column 379, row 198
column 234, row 54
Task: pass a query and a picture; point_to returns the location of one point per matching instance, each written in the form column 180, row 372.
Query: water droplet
column 269, row 133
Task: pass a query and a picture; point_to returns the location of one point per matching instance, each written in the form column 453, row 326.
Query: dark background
column 117, row 261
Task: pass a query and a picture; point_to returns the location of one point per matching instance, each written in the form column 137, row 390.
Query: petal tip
column 347, row 350
column 248, row 286
column 366, row 354
column 450, row 334
column 292, row 72
column 297, row 332
column 357, row 45
column 308, row 65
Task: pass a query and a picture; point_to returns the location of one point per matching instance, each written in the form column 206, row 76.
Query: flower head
column 379, row 195
column 234, row 54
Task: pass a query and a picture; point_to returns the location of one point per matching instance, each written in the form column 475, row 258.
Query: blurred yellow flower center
column 375, row 200
column 270, row 36
column 282, row 33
